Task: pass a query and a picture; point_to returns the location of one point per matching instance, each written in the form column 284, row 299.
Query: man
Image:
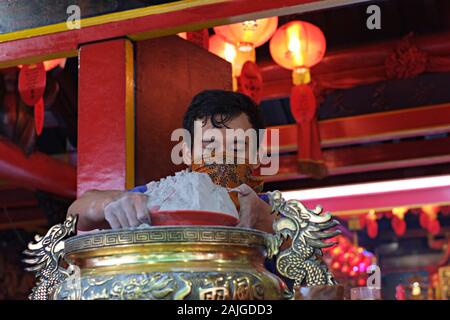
column 216, row 109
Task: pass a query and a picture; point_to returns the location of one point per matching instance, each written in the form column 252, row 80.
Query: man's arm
column 110, row 209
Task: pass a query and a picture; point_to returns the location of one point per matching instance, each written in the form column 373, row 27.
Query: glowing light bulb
column 229, row 52
column 416, row 291
column 295, row 52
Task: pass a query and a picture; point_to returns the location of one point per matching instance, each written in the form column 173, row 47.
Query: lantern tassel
column 304, row 109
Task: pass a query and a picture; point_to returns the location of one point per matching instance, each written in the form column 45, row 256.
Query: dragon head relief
column 44, row 255
column 298, row 222
column 308, row 230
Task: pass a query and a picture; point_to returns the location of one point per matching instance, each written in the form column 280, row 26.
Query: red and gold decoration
column 250, row 81
column 427, row 216
column 298, row 46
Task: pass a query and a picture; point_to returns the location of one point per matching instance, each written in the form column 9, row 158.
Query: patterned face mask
column 229, row 175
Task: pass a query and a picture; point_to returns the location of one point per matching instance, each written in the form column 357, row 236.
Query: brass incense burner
column 184, row 262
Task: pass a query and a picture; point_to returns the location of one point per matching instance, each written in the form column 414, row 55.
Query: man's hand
column 127, row 209
column 254, row 212
column 102, row 209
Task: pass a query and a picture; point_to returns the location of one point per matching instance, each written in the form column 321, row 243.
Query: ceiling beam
column 56, row 41
column 371, row 158
column 372, row 127
column 36, row 172
column 361, row 64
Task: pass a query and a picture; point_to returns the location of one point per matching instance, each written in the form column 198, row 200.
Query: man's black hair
column 220, row 106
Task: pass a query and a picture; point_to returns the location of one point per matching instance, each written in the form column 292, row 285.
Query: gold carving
column 44, row 256
column 234, row 287
column 165, row 235
column 307, row 229
column 214, row 293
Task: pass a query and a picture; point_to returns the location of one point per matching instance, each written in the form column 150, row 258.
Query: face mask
column 229, row 175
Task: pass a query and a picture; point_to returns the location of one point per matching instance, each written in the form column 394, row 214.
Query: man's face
column 233, row 142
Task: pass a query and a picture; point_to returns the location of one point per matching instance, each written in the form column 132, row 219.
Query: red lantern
column 397, row 222
column 298, row 45
column 32, row 81
column 372, row 225
column 227, row 51
column 428, row 219
column 424, row 220
column 434, row 227
column 250, row 81
column 250, row 34
column 399, row 226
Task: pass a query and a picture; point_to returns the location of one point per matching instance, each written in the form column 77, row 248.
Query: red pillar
column 106, row 116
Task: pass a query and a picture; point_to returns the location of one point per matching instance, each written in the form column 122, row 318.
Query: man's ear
column 187, row 155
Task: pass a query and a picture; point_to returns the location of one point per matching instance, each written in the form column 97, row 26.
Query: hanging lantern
column 227, row 51
column 398, row 220
column 372, row 225
column 298, row 46
column 32, row 82
column 248, row 35
column 428, row 219
column 250, row 81
column 304, row 109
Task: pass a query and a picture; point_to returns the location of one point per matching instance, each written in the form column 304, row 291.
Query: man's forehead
column 239, row 122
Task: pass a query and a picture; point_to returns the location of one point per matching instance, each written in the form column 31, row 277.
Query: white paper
column 190, row 191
